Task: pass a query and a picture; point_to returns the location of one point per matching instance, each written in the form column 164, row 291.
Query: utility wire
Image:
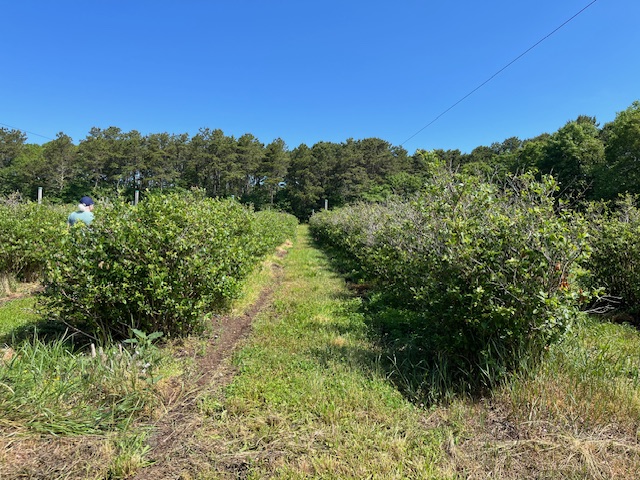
column 26, row 131
column 499, row 72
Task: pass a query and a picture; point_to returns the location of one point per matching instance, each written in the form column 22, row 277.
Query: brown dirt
column 174, row 449
column 23, row 290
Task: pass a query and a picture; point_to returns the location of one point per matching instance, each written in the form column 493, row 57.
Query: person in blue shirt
column 84, row 212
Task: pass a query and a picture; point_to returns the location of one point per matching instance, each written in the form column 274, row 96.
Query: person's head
column 87, row 202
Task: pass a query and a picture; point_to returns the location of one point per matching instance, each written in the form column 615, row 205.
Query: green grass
column 575, row 415
column 310, row 399
column 16, row 313
column 52, row 386
column 597, row 369
column 49, row 387
column 52, row 392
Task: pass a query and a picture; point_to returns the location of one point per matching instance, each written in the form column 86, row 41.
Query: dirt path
column 23, row 290
column 174, row 450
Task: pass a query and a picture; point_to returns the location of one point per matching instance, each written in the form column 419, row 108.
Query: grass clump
column 49, row 388
column 66, row 412
column 575, row 415
column 590, row 382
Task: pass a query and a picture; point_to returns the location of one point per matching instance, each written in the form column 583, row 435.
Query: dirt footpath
column 174, row 450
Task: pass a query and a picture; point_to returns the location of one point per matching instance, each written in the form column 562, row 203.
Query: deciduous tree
column 621, row 172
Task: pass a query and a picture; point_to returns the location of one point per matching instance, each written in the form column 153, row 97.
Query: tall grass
column 68, row 412
column 589, row 382
column 46, row 387
column 575, row 415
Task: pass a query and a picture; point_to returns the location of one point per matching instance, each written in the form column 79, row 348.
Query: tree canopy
column 588, row 162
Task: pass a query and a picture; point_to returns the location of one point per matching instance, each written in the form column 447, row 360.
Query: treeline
column 589, row 161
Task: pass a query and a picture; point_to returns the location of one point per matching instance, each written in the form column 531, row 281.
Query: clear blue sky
column 309, row 71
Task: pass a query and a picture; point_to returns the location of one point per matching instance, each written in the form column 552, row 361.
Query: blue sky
column 310, row 71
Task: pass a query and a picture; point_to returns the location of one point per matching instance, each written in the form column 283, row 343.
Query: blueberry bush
column 29, row 234
column 490, row 271
column 615, row 262
column 159, row 266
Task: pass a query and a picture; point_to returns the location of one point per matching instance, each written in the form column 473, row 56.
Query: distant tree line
column 589, row 161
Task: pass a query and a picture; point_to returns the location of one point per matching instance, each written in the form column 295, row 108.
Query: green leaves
column 615, row 263
column 29, row 234
column 487, row 267
column 158, row 266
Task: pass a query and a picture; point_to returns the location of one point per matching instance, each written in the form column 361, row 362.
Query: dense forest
column 589, row 161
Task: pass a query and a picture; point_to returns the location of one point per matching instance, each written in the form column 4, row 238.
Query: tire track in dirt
column 173, row 449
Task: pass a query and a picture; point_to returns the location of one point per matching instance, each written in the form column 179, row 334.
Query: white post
column 39, row 195
column 326, row 204
column 136, row 197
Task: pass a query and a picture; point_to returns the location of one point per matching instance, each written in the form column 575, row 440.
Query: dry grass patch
column 52, row 458
column 577, row 415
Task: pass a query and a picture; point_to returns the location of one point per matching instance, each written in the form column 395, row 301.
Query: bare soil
column 174, row 449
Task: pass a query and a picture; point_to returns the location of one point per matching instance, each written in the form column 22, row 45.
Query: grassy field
column 315, row 395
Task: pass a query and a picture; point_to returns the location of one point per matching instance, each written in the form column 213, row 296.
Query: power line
column 26, row 131
column 499, row 71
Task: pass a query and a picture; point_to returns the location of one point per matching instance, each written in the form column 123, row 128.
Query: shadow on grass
column 44, row 330
column 37, row 328
column 412, row 355
column 408, row 344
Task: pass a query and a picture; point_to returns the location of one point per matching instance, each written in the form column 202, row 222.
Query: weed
column 130, row 457
column 146, row 354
